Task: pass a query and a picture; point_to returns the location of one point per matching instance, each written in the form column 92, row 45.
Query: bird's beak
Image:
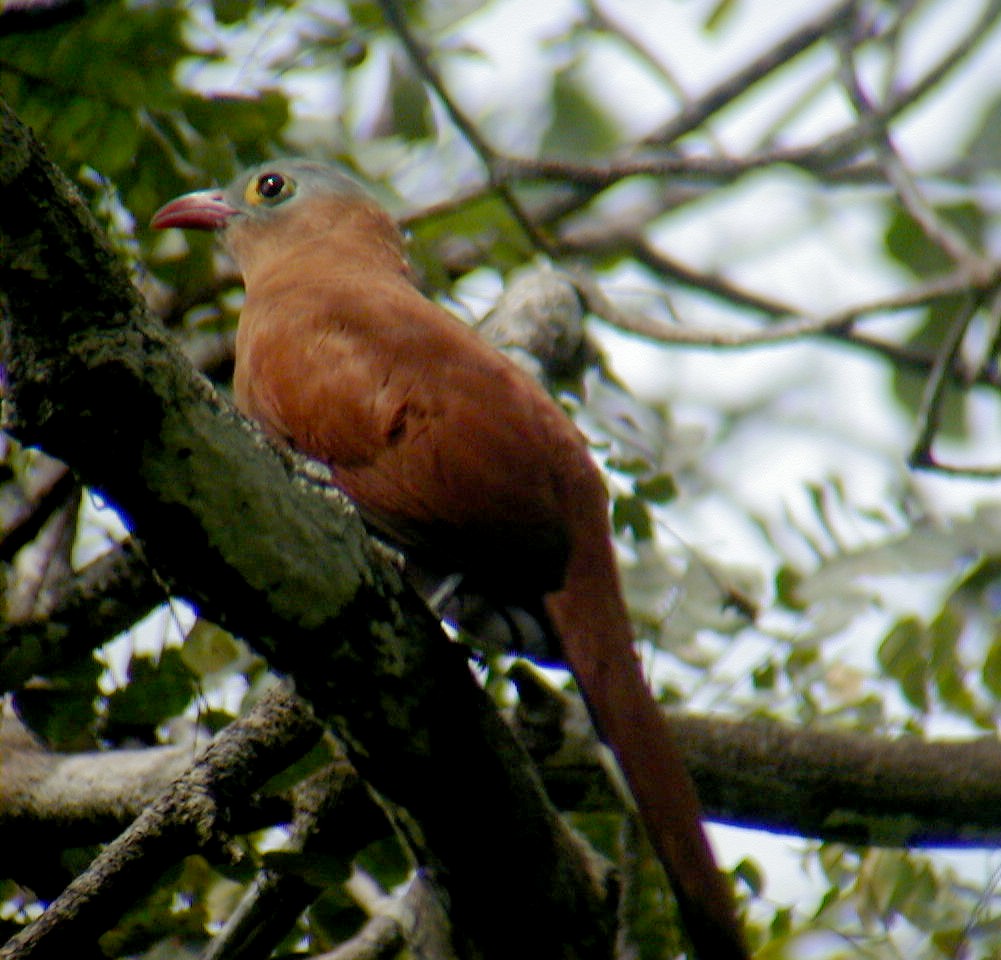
column 203, row 210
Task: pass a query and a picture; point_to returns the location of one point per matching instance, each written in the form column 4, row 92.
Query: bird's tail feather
column 590, row 617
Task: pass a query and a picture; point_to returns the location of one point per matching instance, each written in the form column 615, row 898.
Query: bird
column 457, row 457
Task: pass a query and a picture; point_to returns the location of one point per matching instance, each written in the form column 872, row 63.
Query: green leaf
column 750, row 873
column 904, row 657
column 580, row 127
column 953, row 942
column 208, row 648
column 116, row 149
column 386, row 860
column 948, row 672
column 908, row 244
column 764, row 676
column 802, row 657
column 175, row 911
column 631, row 513
column 158, row 689
column 787, row 581
column 61, row 708
column 333, row 918
column 249, row 123
column 409, row 103
column 719, row 14
column 631, row 466
column 991, row 672
column 781, row 925
column 317, row 869
column 316, row 759
column 231, row 11
column 660, row 488
column 483, row 223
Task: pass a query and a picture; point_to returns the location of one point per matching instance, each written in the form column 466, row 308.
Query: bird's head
column 277, row 202
column 264, row 193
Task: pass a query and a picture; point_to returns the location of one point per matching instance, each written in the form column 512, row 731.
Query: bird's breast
column 436, row 437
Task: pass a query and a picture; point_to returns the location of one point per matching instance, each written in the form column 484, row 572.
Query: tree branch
column 334, row 816
column 189, row 816
column 97, row 383
column 421, row 61
column 826, row 784
column 105, row 598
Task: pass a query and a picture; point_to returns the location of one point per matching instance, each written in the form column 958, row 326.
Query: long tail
column 590, row 617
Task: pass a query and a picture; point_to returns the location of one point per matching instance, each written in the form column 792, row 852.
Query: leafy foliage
column 780, row 559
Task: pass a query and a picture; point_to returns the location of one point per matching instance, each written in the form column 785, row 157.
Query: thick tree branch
column 94, row 381
column 826, row 784
column 72, row 799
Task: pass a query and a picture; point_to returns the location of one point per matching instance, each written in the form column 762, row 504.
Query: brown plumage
column 455, row 455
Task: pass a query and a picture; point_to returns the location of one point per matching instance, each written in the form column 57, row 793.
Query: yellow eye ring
column 269, row 189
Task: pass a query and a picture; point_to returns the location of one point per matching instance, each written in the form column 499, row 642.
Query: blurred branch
column 934, row 392
column 695, row 114
column 51, row 485
column 834, row 159
column 106, row 597
column 74, row 799
column 409, row 918
column 941, row 234
column 190, row 816
column 335, row 816
column 705, row 171
column 848, row 143
column 938, row 232
column 421, row 59
column 604, row 21
column 933, row 398
column 790, row 325
column 44, row 564
column 382, row 936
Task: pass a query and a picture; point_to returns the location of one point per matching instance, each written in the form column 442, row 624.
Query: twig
column 933, row 401
column 939, row 232
column 421, row 60
column 45, row 563
column 840, row 325
column 695, row 114
column 324, row 806
column 930, row 413
column 702, row 170
column 847, row 143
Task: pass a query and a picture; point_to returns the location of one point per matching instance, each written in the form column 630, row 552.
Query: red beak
column 203, row 210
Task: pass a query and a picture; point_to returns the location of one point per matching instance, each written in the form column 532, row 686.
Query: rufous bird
column 453, row 454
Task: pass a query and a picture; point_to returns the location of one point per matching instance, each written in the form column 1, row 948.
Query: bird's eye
column 269, row 189
column 270, row 185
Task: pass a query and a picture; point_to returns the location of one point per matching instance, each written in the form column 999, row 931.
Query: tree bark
column 231, row 527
